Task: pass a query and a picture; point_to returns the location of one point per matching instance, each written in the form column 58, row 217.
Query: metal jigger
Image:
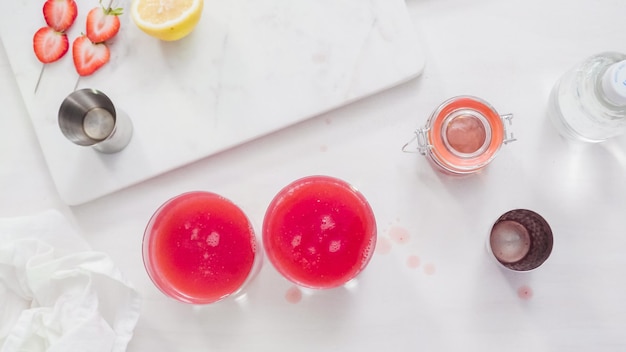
column 87, row 117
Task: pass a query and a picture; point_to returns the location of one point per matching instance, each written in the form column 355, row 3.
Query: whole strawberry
column 89, row 57
column 60, row 14
column 103, row 23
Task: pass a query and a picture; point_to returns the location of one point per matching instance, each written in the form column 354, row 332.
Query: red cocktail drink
column 199, row 247
column 319, row 232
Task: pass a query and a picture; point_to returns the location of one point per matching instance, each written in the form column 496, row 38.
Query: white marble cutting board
column 251, row 67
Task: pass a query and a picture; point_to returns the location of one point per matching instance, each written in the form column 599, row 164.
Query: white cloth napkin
column 56, row 294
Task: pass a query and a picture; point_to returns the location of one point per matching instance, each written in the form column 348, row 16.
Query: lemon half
column 166, row 19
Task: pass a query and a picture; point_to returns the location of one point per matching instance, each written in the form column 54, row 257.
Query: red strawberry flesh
column 89, row 57
column 60, row 14
column 103, row 23
column 49, row 45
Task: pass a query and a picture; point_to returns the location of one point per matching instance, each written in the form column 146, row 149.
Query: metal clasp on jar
column 421, row 137
column 508, row 135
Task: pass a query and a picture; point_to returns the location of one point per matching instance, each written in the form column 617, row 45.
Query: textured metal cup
column 87, row 117
column 521, row 240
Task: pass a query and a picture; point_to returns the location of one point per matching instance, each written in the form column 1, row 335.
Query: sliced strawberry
column 88, row 56
column 49, row 45
column 103, row 23
column 60, row 14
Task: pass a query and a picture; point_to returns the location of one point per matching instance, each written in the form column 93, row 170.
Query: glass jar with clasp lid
column 462, row 135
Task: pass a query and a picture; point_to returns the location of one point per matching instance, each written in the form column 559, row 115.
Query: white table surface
column 507, row 52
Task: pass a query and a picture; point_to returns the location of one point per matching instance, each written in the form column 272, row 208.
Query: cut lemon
column 166, row 19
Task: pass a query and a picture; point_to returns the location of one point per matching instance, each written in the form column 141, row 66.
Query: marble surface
column 248, row 69
column 431, row 285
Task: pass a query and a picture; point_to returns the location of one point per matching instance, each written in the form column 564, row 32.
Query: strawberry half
column 103, row 23
column 49, row 45
column 88, row 56
column 60, row 14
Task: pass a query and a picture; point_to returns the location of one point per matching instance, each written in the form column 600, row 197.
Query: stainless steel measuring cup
column 87, row 117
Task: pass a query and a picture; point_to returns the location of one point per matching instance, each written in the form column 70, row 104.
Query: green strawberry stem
column 108, row 10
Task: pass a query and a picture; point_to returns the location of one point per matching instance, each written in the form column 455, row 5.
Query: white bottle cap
column 614, row 83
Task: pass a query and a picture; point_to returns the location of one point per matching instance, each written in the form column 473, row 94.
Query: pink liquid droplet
column 293, row 295
column 429, row 269
column 525, row 292
column 413, row 261
column 399, row 235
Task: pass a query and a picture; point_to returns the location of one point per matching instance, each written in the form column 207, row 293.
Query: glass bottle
column 589, row 102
